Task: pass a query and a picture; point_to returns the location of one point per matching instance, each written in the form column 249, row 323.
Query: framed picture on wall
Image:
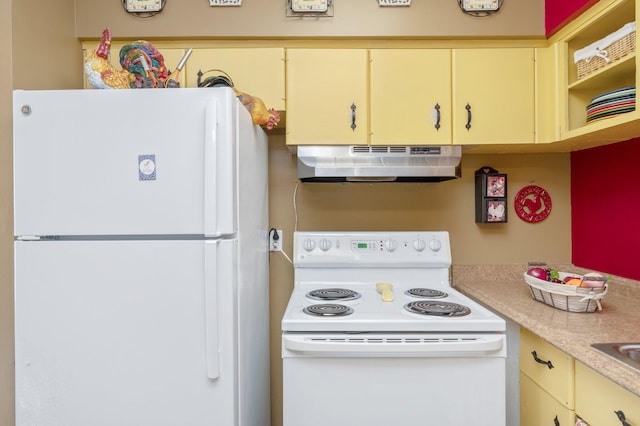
column 496, row 210
column 490, row 196
column 496, row 185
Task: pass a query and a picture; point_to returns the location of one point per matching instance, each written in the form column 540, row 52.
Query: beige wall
column 38, row 50
column 352, row 18
column 6, row 221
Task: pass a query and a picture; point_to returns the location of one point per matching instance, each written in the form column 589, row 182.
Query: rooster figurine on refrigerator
column 142, row 66
column 99, row 71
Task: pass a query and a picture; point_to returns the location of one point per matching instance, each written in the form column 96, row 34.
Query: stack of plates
column 612, row 103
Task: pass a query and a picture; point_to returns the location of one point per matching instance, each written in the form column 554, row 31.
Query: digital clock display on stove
column 363, row 245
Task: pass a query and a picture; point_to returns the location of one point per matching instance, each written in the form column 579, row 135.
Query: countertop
column 503, row 290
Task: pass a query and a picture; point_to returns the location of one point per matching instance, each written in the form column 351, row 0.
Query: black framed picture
column 491, row 196
column 495, row 210
column 496, row 186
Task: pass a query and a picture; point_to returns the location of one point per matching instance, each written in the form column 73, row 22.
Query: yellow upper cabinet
column 410, row 93
column 256, row 71
column 493, row 96
column 326, row 91
column 579, row 88
column 547, row 113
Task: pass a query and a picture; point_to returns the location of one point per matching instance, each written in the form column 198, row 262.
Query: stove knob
column 391, row 245
column 419, row 244
column 324, row 244
column 435, row 244
column 309, row 244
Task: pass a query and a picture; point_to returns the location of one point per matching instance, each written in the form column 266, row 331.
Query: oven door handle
column 415, row 346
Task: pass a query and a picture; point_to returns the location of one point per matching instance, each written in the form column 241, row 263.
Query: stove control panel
column 357, row 249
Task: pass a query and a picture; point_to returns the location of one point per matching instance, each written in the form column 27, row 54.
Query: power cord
column 273, row 233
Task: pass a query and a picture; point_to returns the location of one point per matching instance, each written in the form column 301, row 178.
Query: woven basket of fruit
column 567, row 291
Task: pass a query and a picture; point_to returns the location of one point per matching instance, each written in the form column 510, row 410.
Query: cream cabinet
column 493, row 96
column 410, row 96
column 600, row 402
column 602, row 19
column 327, row 96
column 539, row 408
column 547, row 98
column 546, row 383
column 256, row 71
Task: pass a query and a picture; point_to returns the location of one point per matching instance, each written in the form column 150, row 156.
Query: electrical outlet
column 275, row 240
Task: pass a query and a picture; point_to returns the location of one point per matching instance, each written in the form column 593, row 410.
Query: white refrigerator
column 141, row 259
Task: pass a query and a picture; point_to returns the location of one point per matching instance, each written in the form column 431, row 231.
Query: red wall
column 559, row 12
column 605, row 208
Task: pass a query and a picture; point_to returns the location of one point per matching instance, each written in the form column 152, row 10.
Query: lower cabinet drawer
column 539, row 408
column 548, row 366
column 598, row 399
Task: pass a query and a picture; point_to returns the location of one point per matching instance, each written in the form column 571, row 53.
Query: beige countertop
column 503, row 290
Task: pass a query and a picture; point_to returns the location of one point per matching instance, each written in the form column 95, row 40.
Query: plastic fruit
column 573, row 281
column 539, row 273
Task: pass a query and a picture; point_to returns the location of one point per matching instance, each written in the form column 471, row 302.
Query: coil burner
column 328, row 310
column 426, row 293
column 437, row 308
column 333, row 294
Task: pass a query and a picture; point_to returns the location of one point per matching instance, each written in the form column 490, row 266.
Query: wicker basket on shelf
column 565, row 297
column 606, row 51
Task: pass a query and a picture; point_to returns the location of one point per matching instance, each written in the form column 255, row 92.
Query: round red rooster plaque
column 532, row 204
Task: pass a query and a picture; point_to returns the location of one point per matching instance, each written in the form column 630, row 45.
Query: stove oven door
column 409, row 380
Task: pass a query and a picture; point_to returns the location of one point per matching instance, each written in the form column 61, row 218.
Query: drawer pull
column 541, row 361
column 468, row 125
column 353, row 117
column 622, row 418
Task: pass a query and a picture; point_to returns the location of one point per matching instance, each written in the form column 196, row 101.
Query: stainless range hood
column 360, row 163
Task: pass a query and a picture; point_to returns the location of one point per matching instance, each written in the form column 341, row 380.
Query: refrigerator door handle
column 210, row 169
column 211, row 308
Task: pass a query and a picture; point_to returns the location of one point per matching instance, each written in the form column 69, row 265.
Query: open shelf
column 616, row 75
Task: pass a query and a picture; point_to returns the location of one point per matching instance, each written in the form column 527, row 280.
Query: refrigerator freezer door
column 125, row 333
column 124, row 162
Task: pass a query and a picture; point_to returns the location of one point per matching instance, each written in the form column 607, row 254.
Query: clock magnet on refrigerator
column 532, row 204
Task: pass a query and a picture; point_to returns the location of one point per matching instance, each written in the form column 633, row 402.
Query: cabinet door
column 538, row 408
column 327, row 96
column 556, row 378
column 410, row 96
column 493, row 95
column 547, row 95
column 256, row 71
column 598, row 398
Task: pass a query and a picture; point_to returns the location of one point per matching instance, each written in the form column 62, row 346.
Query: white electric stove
column 338, row 277
column 376, row 313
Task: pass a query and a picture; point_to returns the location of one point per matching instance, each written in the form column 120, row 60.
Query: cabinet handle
column 556, row 422
column 437, row 108
column 622, row 418
column 541, row 361
column 353, row 117
column 468, row 108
